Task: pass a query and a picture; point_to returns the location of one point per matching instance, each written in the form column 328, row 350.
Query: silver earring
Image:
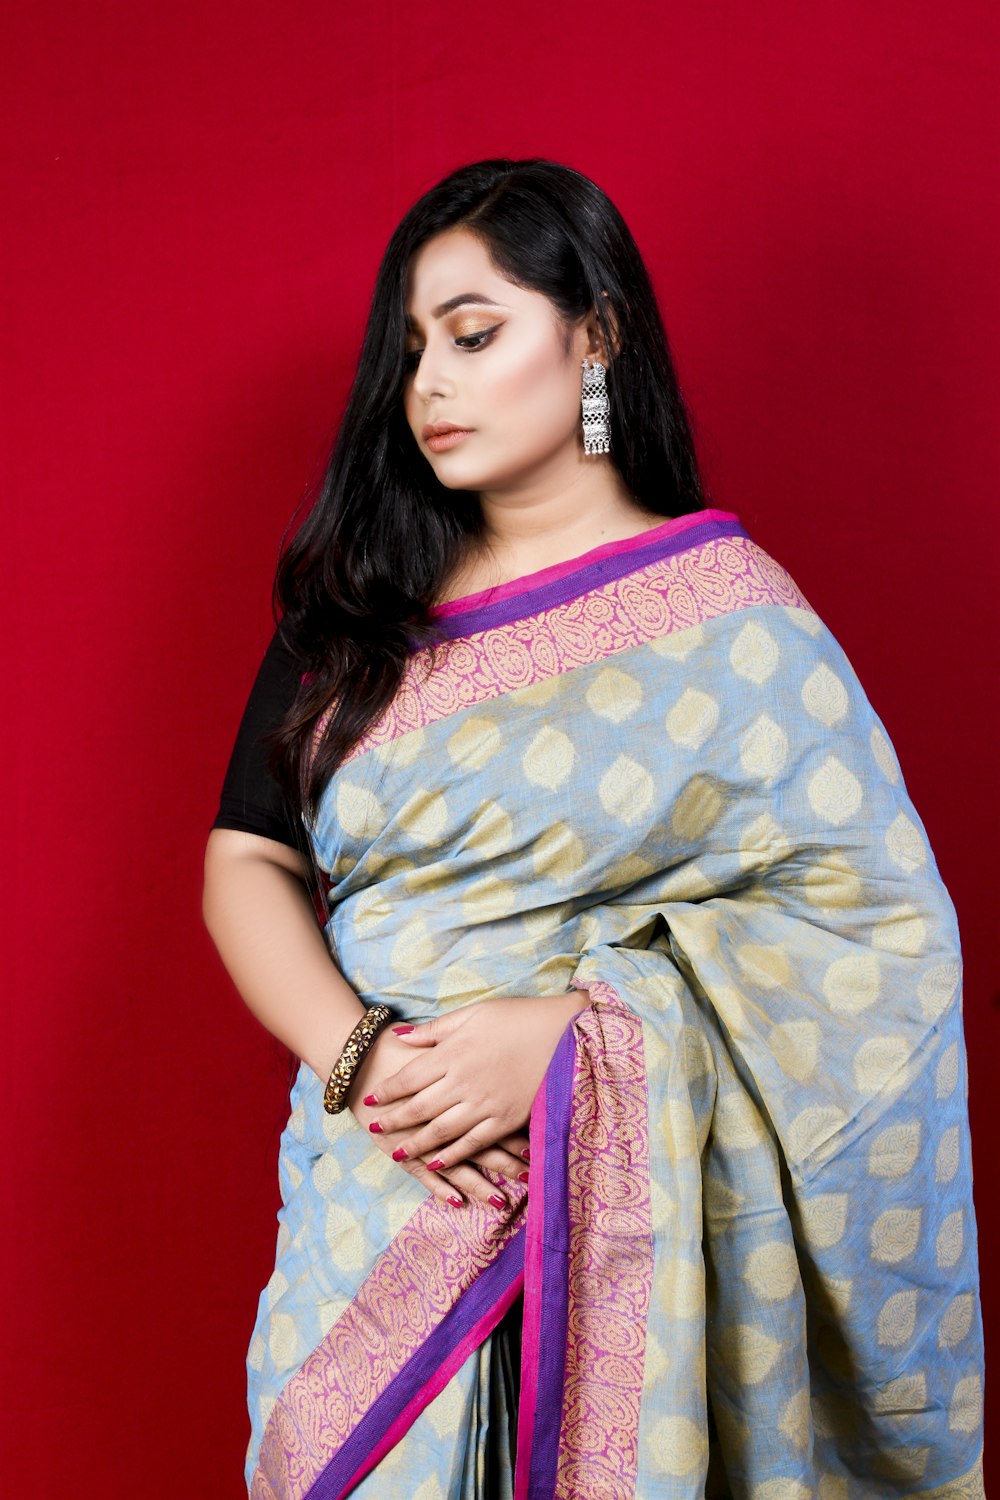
column 595, row 404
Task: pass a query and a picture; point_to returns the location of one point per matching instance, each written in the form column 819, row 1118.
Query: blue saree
column 746, row 1261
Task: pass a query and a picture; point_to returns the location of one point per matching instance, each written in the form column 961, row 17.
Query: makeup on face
column 477, row 331
column 461, row 299
column 486, row 359
column 448, row 440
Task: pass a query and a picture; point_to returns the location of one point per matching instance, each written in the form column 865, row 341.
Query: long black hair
column 354, row 584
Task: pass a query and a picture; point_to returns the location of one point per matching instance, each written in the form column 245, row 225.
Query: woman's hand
column 468, row 1092
column 389, row 1052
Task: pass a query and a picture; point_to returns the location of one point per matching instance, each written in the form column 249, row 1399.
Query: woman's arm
column 259, row 913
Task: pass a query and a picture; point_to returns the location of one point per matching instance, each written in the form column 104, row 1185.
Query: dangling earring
column 595, row 404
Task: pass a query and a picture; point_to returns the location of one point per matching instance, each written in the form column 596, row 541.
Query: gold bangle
column 357, row 1044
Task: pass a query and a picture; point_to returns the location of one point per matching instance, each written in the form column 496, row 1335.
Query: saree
column 745, row 1261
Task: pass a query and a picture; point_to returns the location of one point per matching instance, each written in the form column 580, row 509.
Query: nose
column 430, row 379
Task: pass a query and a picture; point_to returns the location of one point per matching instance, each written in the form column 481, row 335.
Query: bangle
column 357, row 1044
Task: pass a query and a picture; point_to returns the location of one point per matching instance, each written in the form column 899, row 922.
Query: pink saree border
column 668, row 594
column 414, row 1284
column 586, row 1271
column 611, row 1254
column 589, row 1263
column 479, row 1331
column 532, row 1317
column 555, row 571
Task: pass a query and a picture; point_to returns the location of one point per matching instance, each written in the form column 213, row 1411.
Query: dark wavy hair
column 354, row 584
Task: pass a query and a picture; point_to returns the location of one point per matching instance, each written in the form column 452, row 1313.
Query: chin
column 454, row 482
column 454, row 476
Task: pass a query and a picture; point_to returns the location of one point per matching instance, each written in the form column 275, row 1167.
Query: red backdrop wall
column 198, row 196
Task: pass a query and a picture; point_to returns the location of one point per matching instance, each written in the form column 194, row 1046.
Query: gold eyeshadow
column 464, row 330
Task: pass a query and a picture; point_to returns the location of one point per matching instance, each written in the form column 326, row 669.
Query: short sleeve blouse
column 252, row 800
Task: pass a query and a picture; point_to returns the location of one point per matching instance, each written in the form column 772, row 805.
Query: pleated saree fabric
column 745, row 1263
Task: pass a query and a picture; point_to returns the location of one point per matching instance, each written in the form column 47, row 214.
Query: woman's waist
column 420, row 969
column 421, row 994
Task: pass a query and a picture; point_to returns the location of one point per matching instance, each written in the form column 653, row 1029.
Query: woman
column 596, row 806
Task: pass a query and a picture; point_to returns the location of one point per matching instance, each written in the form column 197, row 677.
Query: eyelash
column 486, row 336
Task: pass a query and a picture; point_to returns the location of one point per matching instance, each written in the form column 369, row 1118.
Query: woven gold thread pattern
column 669, row 594
column 430, row 1263
column 610, row 1257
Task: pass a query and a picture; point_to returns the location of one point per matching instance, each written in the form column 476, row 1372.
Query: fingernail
column 369, row 1099
column 375, row 1128
column 401, row 1030
column 526, row 1153
column 435, row 1165
column 500, row 1202
column 452, row 1199
column 522, row 1176
column 399, row 1154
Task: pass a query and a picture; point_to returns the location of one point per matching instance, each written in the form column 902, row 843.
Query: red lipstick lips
column 441, row 435
column 436, row 429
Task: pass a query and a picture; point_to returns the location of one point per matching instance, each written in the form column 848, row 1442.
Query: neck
column 531, row 529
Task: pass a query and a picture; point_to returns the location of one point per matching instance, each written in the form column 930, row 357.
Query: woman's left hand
column 475, row 1074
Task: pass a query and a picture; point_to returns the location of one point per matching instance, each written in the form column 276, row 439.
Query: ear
column 597, row 348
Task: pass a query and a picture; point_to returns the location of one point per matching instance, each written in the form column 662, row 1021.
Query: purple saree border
column 546, row 1285
column 540, row 576
column 684, row 579
column 464, row 1327
column 534, row 1260
column 532, row 1312
column 561, row 1255
column 582, row 580
column 589, row 1260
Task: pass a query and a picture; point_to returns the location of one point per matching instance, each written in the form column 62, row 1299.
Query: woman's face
column 496, row 367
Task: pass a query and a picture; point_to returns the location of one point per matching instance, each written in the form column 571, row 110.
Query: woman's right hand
column 386, row 1055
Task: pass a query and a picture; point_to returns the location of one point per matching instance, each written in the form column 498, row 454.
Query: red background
column 198, row 196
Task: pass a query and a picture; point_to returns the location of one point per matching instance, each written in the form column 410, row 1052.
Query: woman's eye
column 468, row 341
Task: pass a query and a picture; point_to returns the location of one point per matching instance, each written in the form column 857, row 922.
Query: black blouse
column 252, row 800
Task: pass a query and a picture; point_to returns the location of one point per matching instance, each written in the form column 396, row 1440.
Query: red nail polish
column 456, row 1200
column 401, row 1030
column 375, row 1128
column 399, row 1154
column 526, row 1153
column 369, row 1099
column 500, row 1202
column 435, row 1165
column 522, row 1176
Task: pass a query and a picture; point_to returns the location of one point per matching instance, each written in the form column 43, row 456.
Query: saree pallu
column 745, row 1263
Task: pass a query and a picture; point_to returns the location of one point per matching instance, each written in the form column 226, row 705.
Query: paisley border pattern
column 611, row 1254
column 435, row 1260
column 969, row 1487
column 669, row 594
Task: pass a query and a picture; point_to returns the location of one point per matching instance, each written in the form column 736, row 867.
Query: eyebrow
column 453, row 302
